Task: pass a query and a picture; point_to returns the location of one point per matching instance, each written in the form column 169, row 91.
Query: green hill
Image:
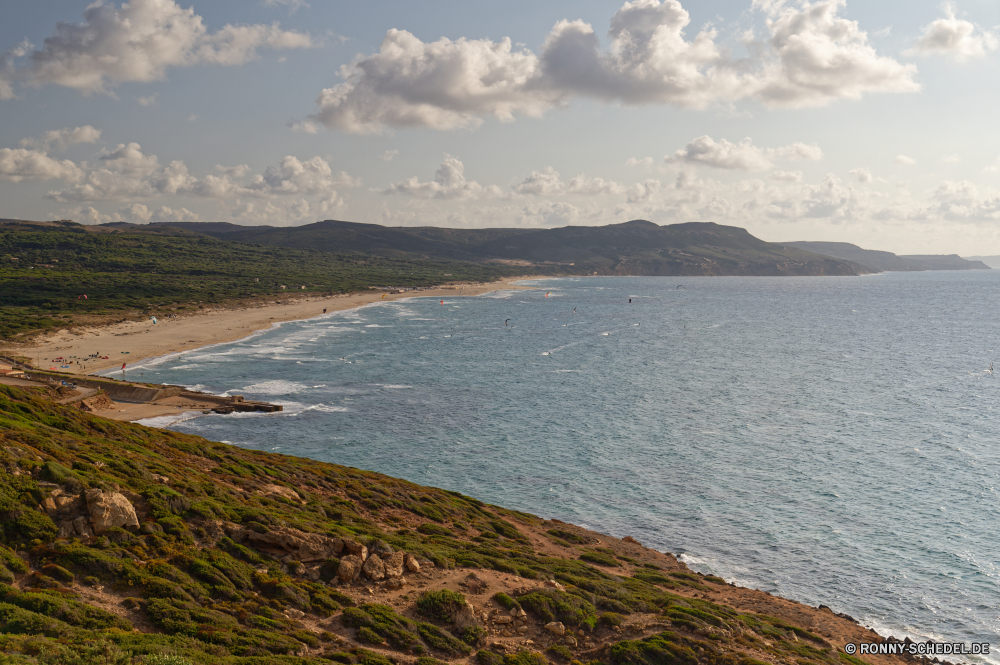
column 126, row 545
column 46, row 268
column 632, row 248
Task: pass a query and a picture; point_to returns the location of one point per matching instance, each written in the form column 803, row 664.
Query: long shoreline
column 135, row 342
column 139, row 342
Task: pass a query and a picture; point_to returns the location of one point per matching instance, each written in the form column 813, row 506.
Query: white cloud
column 389, row 155
column 60, row 139
column 649, row 59
column 643, row 191
column 645, row 161
column 904, row 160
column 444, row 85
column 148, row 100
column 817, row 56
column 19, row 164
column 994, row 167
column 798, row 152
column 128, row 174
column 541, row 183
column 862, row 175
column 136, row 213
column 88, row 215
column 813, row 56
column 548, row 182
column 787, row 176
column 742, row 156
column 130, row 160
column 449, row 183
column 165, row 214
column 954, row 37
column 138, row 41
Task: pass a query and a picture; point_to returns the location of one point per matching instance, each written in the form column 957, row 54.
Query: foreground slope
column 880, row 261
column 119, row 538
column 632, row 248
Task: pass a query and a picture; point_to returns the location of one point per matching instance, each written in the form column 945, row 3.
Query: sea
column 833, row 440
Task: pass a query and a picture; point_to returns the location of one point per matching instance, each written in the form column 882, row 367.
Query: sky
column 872, row 123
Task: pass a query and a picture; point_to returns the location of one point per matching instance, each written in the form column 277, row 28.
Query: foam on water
column 831, row 440
column 162, row 422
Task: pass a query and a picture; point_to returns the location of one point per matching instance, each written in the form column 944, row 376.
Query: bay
column 831, row 440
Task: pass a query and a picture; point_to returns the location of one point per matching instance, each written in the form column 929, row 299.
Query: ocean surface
column 831, row 440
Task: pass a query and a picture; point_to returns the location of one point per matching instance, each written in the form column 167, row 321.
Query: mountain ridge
column 636, row 247
column 882, row 261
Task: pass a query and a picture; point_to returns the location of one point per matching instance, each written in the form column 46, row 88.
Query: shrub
column 58, row 572
column 485, row 657
column 366, row 634
column 654, row 650
column 611, row 619
column 442, row 640
column 600, row 558
column 560, row 651
column 441, row 604
column 164, row 659
column 525, row 658
column 505, row 601
column 551, row 605
column 472, row 634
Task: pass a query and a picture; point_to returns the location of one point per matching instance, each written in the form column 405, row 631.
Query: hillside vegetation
column 125, row 544
column 633, row 248
column 46, row 269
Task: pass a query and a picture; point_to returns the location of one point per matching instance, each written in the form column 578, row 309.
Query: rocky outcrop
column 350, row 568
column 394, row 564
column 356, row 548
column 556, row 628
column 281, row 491
column 374, row 568
column 290, row 544
column 110, row 509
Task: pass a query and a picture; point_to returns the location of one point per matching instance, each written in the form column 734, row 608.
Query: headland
column 129, row 542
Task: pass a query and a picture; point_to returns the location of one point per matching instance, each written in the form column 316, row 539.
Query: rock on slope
column 121, row 542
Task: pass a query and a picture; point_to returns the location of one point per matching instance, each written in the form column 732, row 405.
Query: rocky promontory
column 126, row 544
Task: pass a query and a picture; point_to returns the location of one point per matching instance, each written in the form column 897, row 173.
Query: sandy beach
column 132, row 342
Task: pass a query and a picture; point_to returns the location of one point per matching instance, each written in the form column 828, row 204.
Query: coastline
column 138, row 342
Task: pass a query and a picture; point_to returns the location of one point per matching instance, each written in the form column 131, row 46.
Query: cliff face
column 119, row 538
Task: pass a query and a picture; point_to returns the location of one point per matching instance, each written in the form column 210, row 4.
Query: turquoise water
column 831, row 440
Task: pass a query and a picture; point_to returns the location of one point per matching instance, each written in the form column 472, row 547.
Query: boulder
column 299, row 545
column 556, row 628
column 374, row 568
column 412, row 564
column 350, row 568
column 110, row 509
column 75, row 527
column 465, row 616
column 281, row 491
column 393, row 564
column 356, row 548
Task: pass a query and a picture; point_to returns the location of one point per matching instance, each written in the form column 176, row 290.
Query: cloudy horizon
column 826, row 120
